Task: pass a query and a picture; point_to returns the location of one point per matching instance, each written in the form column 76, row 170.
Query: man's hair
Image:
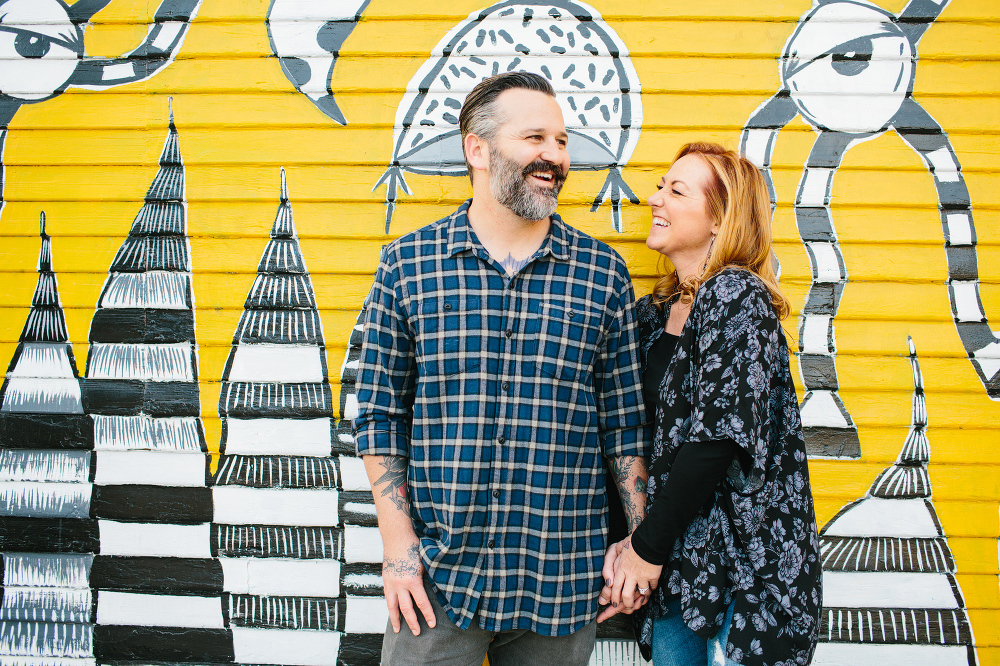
column 479, row 114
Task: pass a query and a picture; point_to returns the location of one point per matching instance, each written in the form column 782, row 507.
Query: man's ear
column 477, row 151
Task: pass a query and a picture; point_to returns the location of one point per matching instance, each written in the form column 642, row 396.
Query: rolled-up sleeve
column 386, row 369
column 618, row 380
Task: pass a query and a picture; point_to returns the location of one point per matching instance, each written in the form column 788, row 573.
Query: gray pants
column 448, row 645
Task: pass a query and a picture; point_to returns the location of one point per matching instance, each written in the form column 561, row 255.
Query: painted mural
column 192, row 496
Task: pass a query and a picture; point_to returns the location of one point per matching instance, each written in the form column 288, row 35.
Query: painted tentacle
column 922, row 133
column 823, row 412
column 393, row 180
column 758, row 137
column 614, row 187
column 166, row 34
column 917, row 16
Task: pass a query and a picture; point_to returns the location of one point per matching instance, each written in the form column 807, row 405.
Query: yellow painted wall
column 87, row 157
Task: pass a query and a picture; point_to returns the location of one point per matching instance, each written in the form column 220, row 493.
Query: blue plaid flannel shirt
column 503, row 393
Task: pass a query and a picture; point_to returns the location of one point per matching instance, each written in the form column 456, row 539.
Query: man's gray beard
column 510, row 187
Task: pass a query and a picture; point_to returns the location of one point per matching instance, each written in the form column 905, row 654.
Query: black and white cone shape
column 46, row 535
column 298, row 593
column 889, row 591
column 157, row 587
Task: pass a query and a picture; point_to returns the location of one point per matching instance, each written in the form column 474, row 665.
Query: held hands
column 629, row 580
column 403, row 582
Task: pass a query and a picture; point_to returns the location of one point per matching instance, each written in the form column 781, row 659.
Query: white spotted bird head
column 565, row 41
column 848, row 66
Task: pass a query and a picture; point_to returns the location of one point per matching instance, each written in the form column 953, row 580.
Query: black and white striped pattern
column 157, row 588
column 889, row 587
column 828, row 426
column 46, row 535
column 299, row 580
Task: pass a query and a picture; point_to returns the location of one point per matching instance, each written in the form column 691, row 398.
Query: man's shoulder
column 428, row 238
column 584, row 245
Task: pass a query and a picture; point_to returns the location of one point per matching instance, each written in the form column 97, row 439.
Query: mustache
column 542, row 166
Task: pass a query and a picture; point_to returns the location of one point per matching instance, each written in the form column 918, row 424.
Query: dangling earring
column 709, row 255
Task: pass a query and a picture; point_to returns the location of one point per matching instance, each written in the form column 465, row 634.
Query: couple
column 505, row 366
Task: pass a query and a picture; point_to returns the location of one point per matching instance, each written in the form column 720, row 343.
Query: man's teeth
column 543, row 176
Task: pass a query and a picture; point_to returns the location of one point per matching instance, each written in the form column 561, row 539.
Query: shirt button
column 490, row 543
column 501, row 439
column 506, row 386
column 447, row 306
column 509, row 333
column 571, row 313
column 496, row 493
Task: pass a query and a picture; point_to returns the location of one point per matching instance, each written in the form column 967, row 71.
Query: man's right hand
column 403, row 582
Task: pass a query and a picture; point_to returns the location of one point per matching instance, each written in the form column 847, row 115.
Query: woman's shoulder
column 733, row 284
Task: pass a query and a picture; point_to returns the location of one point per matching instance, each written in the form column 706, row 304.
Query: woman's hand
column 625, row 574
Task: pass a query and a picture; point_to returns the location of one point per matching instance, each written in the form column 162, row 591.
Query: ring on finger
column 643, row 590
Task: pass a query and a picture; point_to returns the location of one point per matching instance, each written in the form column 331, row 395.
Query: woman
column 726, row 563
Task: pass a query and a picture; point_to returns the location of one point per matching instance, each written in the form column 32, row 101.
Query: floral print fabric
column 756, row 542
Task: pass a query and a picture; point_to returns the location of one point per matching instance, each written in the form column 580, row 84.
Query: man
column 498, row 366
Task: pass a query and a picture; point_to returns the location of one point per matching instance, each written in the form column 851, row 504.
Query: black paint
column 46, row 431
column 140, row 325
column 159, row 504
column 48, row 535
column 157, row 574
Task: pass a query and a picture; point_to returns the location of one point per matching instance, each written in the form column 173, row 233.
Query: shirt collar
column 461, row 236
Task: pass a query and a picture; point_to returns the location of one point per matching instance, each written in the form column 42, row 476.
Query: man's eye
column 677, row 193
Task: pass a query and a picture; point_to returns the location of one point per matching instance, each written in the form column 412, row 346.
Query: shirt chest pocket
column 450, row 336
column 563, row 339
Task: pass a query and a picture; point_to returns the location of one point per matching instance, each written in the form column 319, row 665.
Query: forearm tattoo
column 395, row 480
column 408, row 565
column 631, row 487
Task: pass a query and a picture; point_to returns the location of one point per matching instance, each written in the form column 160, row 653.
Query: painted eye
column 36, row 66
column 853, row 57
column 30, row 45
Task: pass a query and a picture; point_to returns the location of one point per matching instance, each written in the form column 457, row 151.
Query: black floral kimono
column 756, row 542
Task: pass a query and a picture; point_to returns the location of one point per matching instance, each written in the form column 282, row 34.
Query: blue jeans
column 674, row 644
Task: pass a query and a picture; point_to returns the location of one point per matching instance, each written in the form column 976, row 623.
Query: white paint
column 159, row 610
column 362, row 544
column 47, row 661
column 819, row 410
column 959, row 229
column 163, row 290
column 128, row 433
column 46, row 465
column 32, row 643
column 321, row 10
column 61, row 570
column 358, row 507
column 48, row 500
column 966, row 297
column 362, row 580
column 350, row 406
column 854, row 654
column 758, row 146
column 816, row 334
column 988, row 359
column 614, row 652
column 236, row 505
column 277, row 363
column 887, row 590
column 43, row 359
column 345, row 438
column 826, row 266
column 352, row 474
column 286, row 646
column 154, row 540
column 292, row 437
column 159, row 363
column 275, row 576
column 874, row 516
column 943, row 164
column 118, row 72
column 46, row 396
column 815, row 187
column 366, row 615
column 169, row 31
column 155, row 468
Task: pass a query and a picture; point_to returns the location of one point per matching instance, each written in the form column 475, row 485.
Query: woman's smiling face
column 683, row 226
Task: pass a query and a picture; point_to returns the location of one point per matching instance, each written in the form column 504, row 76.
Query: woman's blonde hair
column 738, row 200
